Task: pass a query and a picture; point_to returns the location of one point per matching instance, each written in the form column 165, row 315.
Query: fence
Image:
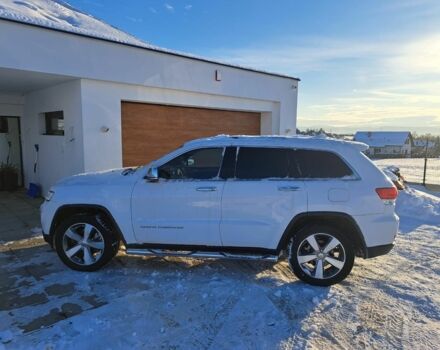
column 413, row 169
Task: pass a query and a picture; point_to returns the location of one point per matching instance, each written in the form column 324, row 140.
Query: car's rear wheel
column 85, row 243
column 321, row 255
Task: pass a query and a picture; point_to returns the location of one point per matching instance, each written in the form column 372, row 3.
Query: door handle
column 206, row 189
column 289, row 188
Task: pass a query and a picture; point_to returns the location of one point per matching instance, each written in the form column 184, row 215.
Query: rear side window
column 319, row 164
column 262, row 163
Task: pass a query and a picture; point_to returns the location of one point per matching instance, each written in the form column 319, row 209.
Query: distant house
column 422, row 147
column 421, row 144
column 384, row 144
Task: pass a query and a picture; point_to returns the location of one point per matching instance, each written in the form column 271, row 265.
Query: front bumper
column 48, row 239
column 47, row 213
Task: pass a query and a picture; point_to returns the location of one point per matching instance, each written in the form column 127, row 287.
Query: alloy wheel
column 321, row 255
column 83, row 244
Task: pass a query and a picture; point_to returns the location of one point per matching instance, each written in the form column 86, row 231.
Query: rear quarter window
column 315, row 164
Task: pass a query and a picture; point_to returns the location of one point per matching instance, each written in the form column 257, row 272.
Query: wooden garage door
column 150, row 131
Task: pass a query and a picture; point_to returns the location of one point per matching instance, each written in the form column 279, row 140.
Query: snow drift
column 417, row 205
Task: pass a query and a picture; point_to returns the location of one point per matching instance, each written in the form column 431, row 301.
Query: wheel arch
column 92, row 209
column 340, row 220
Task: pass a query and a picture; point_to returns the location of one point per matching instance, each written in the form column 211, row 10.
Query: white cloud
column 134, row 19
column 152, row 10
column 188, row 7
column 417, row 56
column 386, row 108
column 168, row 7
column 357, row 83
column 420, row 56
column 310, row 54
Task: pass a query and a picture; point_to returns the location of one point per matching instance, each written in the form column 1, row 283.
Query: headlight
column 49, row 195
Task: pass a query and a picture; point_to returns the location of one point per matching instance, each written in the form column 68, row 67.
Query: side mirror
column 152, row 175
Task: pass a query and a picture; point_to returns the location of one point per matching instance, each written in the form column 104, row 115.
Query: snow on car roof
column 60, row 16
column 276, row 140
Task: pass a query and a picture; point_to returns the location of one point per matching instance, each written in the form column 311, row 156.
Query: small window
column 320, row 164
column 200, row 164
column 4, row 128
column 54, row 123
column 262, row 163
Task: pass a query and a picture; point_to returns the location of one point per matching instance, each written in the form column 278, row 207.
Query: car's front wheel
column 321, row 255
column 84, row 243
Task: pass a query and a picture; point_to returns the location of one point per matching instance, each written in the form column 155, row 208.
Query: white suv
column 319, row 200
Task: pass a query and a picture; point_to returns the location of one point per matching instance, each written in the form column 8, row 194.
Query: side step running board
column 200, row 254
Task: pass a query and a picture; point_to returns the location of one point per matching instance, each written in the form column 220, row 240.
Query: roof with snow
column 382, row 138
column 60, row 16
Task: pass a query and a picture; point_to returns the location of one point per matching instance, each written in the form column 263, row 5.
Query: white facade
column 59, row 156
column 46, row 70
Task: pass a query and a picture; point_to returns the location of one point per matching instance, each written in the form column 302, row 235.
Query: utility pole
column 437, row 154
column 426, row 161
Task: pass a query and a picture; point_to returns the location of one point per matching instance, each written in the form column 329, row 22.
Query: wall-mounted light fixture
column 218, row 75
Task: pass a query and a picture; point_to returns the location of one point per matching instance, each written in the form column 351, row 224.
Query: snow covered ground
column 412, row 168
column 392, row 301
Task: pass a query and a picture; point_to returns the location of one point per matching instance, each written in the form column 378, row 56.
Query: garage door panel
column 149, row 131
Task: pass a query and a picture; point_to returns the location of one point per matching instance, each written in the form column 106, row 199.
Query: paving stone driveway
column 37, row 291
column 32, row 280
column 19, row 216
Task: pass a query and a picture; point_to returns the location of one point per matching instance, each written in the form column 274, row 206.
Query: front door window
column 200, row 164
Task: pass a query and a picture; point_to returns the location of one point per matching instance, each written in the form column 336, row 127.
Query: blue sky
column 363, row 64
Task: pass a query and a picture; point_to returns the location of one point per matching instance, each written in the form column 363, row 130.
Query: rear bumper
column 378, row 229
column 378, row 250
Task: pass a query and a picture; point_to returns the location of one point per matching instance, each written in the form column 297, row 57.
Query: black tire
column 106, row 240
column 300, row 247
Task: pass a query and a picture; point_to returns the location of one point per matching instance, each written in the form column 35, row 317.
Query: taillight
column 387, row 192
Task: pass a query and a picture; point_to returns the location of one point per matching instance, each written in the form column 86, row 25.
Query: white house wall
column 11, row 105
column 88, row 58
column 406, row 149
column 101, row 107
column 59, row 156
column 107, row 73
